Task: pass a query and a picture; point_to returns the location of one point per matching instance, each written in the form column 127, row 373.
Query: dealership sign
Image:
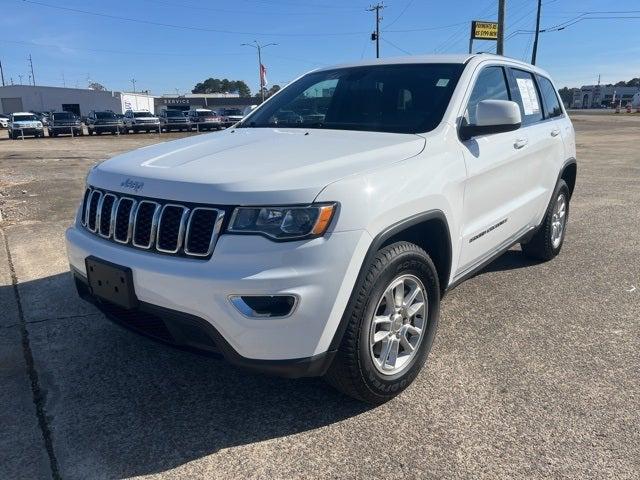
column 484, row 30
column 176, row 101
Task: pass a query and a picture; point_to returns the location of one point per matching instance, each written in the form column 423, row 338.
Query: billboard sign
column 484, row 30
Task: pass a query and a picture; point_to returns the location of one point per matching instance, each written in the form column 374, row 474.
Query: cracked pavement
column 535, row 370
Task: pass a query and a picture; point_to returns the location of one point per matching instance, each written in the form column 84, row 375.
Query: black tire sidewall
column 411, row 263
column 560, row 188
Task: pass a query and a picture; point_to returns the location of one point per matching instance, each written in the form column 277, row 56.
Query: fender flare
column 375, row 245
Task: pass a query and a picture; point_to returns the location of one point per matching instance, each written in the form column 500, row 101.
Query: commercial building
column 20, row 98
column 203, row 100
column 599, row 96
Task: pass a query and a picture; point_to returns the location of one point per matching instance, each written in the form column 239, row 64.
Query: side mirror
column 493, row 116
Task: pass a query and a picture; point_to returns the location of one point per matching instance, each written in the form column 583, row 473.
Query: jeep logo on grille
column 132, row 184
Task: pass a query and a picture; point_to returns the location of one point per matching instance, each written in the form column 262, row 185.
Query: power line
column 187, row 27
column 406, row 7
column 396, row 46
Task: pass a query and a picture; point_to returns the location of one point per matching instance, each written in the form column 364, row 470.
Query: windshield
column 174, row 113
column 142, row 114
column 205, row 113
column 63, row 116
column 25, row 118
column 106, row 115
column 404, row 98
column 232, row 111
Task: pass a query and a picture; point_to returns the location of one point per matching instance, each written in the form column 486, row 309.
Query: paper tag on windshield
column 529, row 96
column 443, row 82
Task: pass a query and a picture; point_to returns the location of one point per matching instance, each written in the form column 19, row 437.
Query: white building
column 598, row 96
column 20, row 98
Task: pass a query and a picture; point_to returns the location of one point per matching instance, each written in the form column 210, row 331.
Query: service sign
column 484, row 30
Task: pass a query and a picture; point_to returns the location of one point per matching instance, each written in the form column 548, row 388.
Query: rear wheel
column 391, row 325
column 548, row 240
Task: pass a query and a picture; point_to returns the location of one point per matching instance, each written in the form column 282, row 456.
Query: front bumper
column 65, row 128
column 27, row 131
column 107, row 128
column 176, row 126
column 320, row 272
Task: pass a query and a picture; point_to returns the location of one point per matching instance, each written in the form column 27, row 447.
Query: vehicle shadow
column 510, row 260
column 121, row 405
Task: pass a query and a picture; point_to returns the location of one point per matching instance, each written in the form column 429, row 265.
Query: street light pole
column 259, row 48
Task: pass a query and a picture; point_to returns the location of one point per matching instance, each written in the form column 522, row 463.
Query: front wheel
column 391, row 325
column 548, row 240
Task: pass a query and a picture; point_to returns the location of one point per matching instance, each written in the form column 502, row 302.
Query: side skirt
column 489, row 258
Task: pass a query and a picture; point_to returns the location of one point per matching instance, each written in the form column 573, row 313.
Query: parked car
column 4, row 120
column 325, row 249
column 61, row 123
column 25, row 124
column 205, row 119
column 104, row 121
column 44, row 117
column 141, row 120
column 229, row 116
column 174, row 120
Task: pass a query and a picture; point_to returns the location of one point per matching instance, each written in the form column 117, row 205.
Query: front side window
column 526, row 94
column 550, row 98
column 404, row 98
column 491, row 84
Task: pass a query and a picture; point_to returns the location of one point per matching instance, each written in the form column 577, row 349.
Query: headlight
column 283, row 223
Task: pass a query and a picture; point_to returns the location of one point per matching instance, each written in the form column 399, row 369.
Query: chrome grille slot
column 92, row 213
column 171, row 228
column 83, row 213
column 145, row 223
column 159, row 226
column 107, row 212
column 125, row 214
column 202, row 231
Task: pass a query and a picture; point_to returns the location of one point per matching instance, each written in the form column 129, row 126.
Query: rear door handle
column 520, row 143
column 555, row 132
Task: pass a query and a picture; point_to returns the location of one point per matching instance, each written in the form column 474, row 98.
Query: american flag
column 263, row 74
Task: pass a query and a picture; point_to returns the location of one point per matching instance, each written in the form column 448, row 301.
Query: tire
column 547, row 241
column 355, row 370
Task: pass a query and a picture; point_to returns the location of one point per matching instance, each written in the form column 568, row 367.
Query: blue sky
column 203, row 38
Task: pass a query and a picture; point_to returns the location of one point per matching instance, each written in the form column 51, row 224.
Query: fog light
column 264, row 306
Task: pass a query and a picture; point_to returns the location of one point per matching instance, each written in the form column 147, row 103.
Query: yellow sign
column 484, row 30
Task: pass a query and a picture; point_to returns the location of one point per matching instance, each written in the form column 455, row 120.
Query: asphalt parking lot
column 535, row 371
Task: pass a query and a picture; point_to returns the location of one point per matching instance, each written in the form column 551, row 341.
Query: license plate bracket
column 111, row 282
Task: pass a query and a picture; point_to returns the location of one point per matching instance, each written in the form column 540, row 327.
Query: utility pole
column 133, row 82
column 376, row 35
column 534, row 54
column 500, row 46
column 20, row 76
column 33, row 77
column 1, row 73
column 259, row 48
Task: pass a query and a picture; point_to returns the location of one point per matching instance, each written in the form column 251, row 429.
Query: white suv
column 323, row 246
column 140, row 120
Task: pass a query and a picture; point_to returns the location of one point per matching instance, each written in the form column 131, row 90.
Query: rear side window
column 526, row 94
column 549, row 97
column 491, row 84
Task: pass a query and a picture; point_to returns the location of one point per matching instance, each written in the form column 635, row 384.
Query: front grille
column 150, row 224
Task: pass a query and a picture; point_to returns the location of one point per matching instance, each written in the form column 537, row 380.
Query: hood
column 251, row 165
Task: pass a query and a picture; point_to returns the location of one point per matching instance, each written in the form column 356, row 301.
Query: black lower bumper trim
column 190, row 332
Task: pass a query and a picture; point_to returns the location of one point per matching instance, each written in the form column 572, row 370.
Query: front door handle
column 555, row 132
column 520, row 143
